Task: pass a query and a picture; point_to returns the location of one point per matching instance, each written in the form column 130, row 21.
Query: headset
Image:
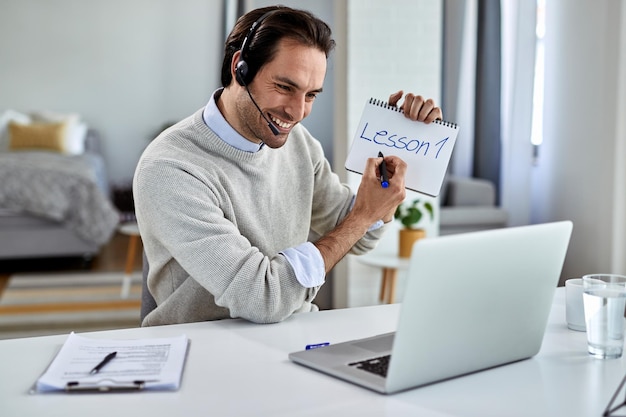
column 241, row 69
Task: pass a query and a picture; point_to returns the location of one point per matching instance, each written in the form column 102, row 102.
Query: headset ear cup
column 241, row 72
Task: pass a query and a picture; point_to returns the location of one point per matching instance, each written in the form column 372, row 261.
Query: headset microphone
column 270, row 124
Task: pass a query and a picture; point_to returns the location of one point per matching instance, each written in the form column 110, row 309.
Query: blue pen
column 384, row 177
column 317, row 345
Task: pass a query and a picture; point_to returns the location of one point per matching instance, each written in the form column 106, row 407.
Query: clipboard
column 426, row 148
column 137, row 365
column 104, row 386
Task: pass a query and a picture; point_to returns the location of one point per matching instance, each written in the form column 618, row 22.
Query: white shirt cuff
column 307, row 263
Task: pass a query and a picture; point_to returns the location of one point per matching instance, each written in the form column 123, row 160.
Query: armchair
column 469, row 206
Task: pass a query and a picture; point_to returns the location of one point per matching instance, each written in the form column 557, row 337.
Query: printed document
column 132, row 364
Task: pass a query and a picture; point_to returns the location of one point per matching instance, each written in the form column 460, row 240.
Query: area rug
column 42, row 304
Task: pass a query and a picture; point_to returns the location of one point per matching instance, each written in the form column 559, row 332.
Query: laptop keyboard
column 376, row 366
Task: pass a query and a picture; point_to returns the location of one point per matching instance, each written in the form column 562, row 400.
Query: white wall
column 618, row 254
column 580, row 176
column 385, row 49
column 127, row 66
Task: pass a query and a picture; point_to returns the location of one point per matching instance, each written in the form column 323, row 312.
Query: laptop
column 472, row 301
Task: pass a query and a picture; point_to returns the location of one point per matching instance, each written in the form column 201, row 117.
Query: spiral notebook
column 426, row 148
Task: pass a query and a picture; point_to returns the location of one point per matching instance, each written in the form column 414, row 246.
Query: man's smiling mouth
column 280, row 123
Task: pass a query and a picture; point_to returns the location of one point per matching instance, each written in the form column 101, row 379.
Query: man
column 226, row 198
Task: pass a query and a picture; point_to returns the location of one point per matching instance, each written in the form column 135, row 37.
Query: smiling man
column 226, row 198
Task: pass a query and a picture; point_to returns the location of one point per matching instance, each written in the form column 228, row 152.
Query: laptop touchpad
column 378, row 344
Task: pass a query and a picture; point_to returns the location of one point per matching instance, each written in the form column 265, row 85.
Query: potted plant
column 410, row 215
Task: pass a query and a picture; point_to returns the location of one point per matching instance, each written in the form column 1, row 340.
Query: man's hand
column 372, row 200
column 372, row 203
column 416, row 107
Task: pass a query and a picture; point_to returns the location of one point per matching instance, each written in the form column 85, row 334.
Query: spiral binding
column 386, row 105
column 445, row 123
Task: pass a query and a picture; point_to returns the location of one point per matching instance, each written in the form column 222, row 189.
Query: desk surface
column 236, row 368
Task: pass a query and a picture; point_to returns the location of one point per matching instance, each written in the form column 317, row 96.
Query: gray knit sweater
column 213, row 220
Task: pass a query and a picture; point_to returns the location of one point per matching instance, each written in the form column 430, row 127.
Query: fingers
column 415, row 107
column 393, row 99
column 380, row 202
column 396, row 169
column 371, row 171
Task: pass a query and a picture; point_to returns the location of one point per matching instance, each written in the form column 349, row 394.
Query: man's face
column 284, row 89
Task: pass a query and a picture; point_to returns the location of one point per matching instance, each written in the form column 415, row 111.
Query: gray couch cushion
column 470, row 207
column 470, row 192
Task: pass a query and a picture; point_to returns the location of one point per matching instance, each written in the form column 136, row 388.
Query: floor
column 112, row 258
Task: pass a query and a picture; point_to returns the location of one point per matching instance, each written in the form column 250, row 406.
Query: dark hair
column 299, row 25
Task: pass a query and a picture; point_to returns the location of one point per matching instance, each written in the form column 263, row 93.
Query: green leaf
column 413, row 217
column 430, row 209
column 411, row 214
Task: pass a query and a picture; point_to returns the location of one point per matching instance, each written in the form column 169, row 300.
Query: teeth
column 280, row 123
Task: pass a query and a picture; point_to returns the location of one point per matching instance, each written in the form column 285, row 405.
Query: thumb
column 393, row 98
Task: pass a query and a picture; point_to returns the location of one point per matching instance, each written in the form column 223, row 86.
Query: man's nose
column 297, row 108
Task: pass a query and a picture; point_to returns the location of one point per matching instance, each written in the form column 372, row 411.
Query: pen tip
column 385, row 184
column 380, row 155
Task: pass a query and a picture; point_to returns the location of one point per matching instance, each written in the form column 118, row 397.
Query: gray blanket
column 60, row 187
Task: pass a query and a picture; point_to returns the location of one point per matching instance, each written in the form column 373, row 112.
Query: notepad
column 139, row 364
column 426, row 148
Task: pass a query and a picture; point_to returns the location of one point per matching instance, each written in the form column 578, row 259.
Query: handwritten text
column 393, row 140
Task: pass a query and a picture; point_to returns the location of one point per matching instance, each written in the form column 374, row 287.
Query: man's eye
column 283, row 87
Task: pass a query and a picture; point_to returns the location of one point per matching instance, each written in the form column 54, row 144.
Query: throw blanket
column 59, row 187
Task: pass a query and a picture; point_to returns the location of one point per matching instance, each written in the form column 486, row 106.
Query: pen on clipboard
column 102, row 363
column 384, row 176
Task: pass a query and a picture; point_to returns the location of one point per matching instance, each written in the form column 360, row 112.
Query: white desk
column 236, row 368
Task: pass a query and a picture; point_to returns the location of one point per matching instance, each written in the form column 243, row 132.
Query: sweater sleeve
column 332, row 201
column 186, row 223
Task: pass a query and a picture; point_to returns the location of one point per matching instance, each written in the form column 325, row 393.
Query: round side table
column 132, row 231
column 390, row 264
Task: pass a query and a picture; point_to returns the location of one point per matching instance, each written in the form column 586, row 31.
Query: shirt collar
column 218, row 124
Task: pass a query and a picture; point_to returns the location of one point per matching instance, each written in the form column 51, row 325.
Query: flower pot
column 407, row 238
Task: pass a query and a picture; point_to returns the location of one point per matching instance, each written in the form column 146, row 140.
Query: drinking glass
column 604, row 299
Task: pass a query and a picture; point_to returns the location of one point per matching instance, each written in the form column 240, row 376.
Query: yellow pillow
column 48, row 136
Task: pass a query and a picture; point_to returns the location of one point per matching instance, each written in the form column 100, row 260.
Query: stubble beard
column 255, row 126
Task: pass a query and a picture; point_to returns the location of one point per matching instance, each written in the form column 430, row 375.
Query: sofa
column 469, row 205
